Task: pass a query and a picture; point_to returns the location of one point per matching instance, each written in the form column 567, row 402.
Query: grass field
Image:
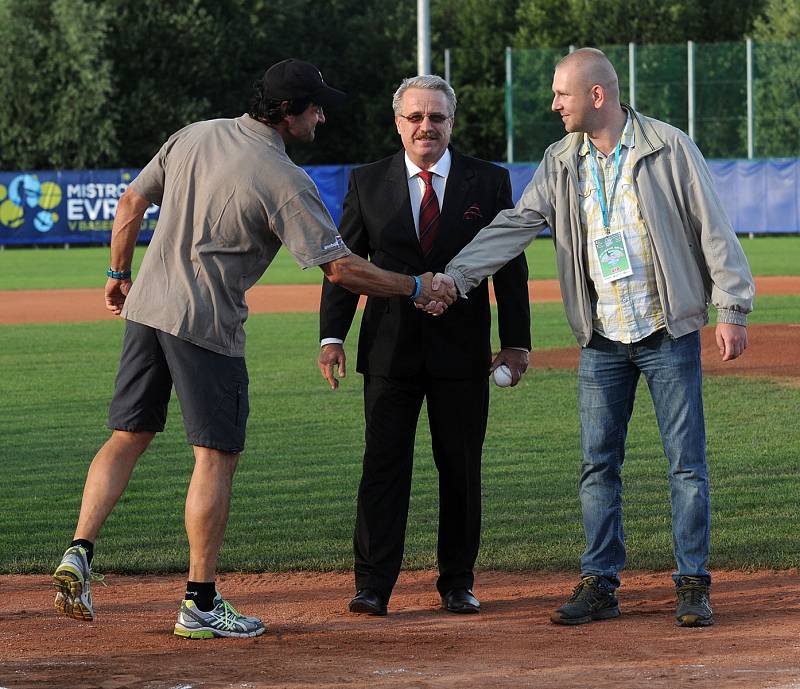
column 85, row 267
column 294, row 497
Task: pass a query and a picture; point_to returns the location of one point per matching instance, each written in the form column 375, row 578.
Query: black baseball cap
column 291, row 79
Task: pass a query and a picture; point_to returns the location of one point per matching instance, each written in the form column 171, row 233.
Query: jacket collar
column 627, row 140
column 647, row 140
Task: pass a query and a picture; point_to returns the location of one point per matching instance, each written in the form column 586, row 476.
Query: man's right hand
column 115, row 293
column 438, row 292
column 331, row 355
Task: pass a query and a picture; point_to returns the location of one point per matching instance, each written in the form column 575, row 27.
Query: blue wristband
column 417, row 288
column 118, row 274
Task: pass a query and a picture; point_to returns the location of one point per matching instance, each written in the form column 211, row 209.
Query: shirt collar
column 627, row 137
column 269, row 133
column 441, row 167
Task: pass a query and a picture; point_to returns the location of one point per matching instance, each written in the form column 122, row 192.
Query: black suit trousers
column 457, row 413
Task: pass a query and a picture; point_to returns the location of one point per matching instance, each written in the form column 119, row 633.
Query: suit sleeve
column 338, row 305
column 511, row 287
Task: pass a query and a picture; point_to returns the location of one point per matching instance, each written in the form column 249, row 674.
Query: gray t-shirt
column 229, row 197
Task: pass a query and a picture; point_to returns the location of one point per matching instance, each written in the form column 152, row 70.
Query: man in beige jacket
column 642, row 245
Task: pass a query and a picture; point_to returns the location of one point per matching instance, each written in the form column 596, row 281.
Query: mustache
column 426, row 136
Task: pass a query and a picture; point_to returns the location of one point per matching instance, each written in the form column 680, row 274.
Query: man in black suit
column 413, row 212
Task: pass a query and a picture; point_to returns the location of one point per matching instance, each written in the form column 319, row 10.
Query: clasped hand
column 437, row 293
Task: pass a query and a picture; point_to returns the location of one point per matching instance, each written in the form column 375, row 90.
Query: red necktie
column 428, row 214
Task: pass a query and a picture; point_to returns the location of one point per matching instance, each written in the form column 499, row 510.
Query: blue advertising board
column 70, row 206
column 78, row 206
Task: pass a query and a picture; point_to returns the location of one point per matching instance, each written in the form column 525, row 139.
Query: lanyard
column 601, row 196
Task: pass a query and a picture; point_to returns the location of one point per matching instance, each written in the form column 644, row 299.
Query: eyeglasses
column 417, row 117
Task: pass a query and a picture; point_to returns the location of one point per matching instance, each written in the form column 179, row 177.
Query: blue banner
column 78, row 206
column 73, row 206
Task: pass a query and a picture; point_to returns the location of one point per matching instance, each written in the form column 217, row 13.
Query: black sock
column 88, row 546
column 202, row 593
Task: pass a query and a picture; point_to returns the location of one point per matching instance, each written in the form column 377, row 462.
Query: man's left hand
column 731, row 340
column 515, row 359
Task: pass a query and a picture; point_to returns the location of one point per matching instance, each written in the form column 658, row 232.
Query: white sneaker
column 223, row 620
column 72, row 581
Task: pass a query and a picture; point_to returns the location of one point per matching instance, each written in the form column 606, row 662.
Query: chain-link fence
column 736, row 100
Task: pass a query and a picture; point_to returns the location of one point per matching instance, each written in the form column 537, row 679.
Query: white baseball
column 502, row 376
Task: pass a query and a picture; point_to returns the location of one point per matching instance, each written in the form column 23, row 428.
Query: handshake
column 437, row 293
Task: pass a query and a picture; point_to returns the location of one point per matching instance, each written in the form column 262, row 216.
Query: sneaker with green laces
column 223, row 620
column 73, row 583
column 590, row 600
column 694, row 602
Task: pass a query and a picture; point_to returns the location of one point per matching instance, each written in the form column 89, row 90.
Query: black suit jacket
column 396, row 339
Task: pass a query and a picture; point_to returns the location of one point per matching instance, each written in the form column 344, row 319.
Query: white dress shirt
column 416, row 186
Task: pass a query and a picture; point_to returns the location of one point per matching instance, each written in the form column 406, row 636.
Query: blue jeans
column 607, row 379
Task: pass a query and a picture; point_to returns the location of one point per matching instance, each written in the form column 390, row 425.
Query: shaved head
column 590, row 67
column 586, row 96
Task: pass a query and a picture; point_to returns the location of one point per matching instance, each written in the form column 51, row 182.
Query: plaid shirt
column 626, row 310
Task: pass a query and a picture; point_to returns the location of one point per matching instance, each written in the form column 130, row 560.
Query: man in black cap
column 230, row 197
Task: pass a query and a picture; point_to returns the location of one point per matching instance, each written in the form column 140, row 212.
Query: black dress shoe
column 461, row 601
column 369, row 602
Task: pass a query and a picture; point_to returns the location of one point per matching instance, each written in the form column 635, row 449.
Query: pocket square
column 473, row 212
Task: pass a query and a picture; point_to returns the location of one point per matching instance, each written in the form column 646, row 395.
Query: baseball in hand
column 502, row 376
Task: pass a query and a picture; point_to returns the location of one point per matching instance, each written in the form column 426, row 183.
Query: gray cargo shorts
column 211, row 389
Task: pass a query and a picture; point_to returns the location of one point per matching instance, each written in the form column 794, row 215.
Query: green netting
column 720, row 128
column 535, row 125
column 662, row 91
column 777, row 99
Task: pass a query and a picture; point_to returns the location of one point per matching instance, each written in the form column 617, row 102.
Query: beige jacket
column 698, row 259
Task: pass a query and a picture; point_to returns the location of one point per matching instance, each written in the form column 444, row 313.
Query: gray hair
column 425, row 81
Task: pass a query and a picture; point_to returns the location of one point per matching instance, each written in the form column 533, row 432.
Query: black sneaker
column 694, row 604
column 590, row 600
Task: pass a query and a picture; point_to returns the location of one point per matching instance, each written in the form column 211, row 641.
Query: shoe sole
column 694, row 621
column 608, row 614
column 208, row 633
column 362, row 609
column 68, row 596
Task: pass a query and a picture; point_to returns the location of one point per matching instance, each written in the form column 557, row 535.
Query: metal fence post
column 423, row 37
column 632, row 74
column 447, row 65
column 690, row 85
column 751, row 144
column 509, row 110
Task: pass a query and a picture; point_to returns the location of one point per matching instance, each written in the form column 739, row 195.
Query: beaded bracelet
column 118, row 274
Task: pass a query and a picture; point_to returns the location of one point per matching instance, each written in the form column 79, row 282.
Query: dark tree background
column 102, row 83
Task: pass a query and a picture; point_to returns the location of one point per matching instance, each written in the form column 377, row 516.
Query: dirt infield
column 773, row 352
column 311, row 641
column 69, row 305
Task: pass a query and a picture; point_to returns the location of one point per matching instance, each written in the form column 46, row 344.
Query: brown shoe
column 591, row 600
column 694, row 604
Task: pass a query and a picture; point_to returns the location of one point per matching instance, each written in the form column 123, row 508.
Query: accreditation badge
column 612, row 255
